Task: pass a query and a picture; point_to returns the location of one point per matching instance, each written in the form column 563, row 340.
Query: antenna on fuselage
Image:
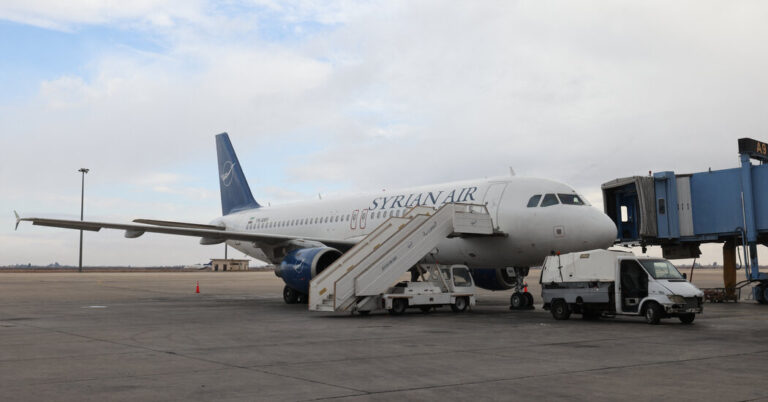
column 511, row 171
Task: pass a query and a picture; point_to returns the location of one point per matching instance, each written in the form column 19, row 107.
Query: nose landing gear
column 521, row 299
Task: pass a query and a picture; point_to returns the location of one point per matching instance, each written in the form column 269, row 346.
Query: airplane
column 535, row 217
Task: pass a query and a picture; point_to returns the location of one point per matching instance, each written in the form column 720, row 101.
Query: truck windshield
column 661, row 269
column 461, row 277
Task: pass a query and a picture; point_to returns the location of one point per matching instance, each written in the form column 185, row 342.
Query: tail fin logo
column 226, row 177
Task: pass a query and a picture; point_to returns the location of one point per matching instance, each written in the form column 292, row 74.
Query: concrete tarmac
column 148, row 336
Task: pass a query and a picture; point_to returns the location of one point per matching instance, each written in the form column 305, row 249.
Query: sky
column 339, row 97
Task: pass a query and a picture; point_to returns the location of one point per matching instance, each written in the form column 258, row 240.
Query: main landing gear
column 293, row 296
column 521, row 299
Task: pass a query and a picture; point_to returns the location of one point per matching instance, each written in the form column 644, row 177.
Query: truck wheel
column 290, row 296
column 653, row 313
column 687, row 318
column 425, row 309
column 398, row 306
column 460, row 305
column 517, row 301
column 560, row 310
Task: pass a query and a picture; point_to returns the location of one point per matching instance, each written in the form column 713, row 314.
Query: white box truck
column 607, row 283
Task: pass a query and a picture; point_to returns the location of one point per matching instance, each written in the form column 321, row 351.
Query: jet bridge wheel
column 290, row 295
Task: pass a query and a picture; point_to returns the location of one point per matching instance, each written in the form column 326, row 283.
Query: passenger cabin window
column 570, row 199
column 534, row 201
column 549, row 200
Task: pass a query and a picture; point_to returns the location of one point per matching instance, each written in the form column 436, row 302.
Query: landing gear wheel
column 460, row 305
column 425, row 309
column 302, row 298
column 398, row 306
column 653, row 313
column 290, row 295
column 687, row 318
column 517, row 301
column 560, row 310
column 529, row 297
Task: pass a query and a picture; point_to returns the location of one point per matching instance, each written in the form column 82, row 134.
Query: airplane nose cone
column 596, row 230
column 610, row 232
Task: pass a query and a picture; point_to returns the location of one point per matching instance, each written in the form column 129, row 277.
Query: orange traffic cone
column 197, row 289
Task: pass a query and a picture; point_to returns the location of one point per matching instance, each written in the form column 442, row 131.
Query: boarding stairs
column 357, row 278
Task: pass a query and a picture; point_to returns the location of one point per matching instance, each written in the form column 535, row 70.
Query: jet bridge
column 357, row 278
column 679, row 212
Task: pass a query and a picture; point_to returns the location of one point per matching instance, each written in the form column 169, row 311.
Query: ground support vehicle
column 444, row 285
column 608, row 283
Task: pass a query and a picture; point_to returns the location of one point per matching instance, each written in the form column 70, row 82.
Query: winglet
column 18, row 219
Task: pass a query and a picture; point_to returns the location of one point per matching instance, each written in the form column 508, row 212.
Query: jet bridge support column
column 729, row 267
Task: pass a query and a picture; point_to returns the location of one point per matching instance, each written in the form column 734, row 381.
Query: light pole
column 82, row 196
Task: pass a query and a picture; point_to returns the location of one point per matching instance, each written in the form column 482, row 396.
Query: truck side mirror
column 685, row 276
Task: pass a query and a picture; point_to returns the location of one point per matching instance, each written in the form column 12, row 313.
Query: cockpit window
column 549, row 199
column 534, row 201
column 570, row 199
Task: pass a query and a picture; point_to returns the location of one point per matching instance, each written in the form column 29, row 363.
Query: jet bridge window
column 549, row 200
column 534, row 201
column 570, row 199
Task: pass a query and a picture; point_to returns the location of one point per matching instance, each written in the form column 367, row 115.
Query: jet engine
column 493, row 279
column 301, row 265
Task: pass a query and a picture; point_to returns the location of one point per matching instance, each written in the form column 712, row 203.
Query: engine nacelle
column 493, row 279
column 301, row 265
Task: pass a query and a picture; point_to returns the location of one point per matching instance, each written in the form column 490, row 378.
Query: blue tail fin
column 235, row 193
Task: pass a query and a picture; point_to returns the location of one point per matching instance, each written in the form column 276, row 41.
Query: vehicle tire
column 653, row 313
column 301, row 298
column 687, row 318
column 517, row 301
column 425, row 309
column 363, row 312
column 398, row 306
column 460, row 305
column 763, row 294
column 290, row 295
column 529, row 298
column 560, row 310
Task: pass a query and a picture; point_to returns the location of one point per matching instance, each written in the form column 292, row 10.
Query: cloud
column 347, row 96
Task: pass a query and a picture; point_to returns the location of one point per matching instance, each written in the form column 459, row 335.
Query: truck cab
column 608, row 283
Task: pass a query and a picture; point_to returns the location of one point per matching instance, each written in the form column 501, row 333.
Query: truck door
column 633, row 285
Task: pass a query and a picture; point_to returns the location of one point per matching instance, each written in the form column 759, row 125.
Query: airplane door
column 353, row 221
column 492, row 200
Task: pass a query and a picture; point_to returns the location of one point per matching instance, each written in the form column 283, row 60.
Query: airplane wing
column 208, row 234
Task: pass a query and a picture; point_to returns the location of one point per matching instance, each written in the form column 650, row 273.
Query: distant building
column 220, row 264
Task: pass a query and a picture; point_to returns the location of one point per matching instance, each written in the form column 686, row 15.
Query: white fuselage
column 531, row 233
